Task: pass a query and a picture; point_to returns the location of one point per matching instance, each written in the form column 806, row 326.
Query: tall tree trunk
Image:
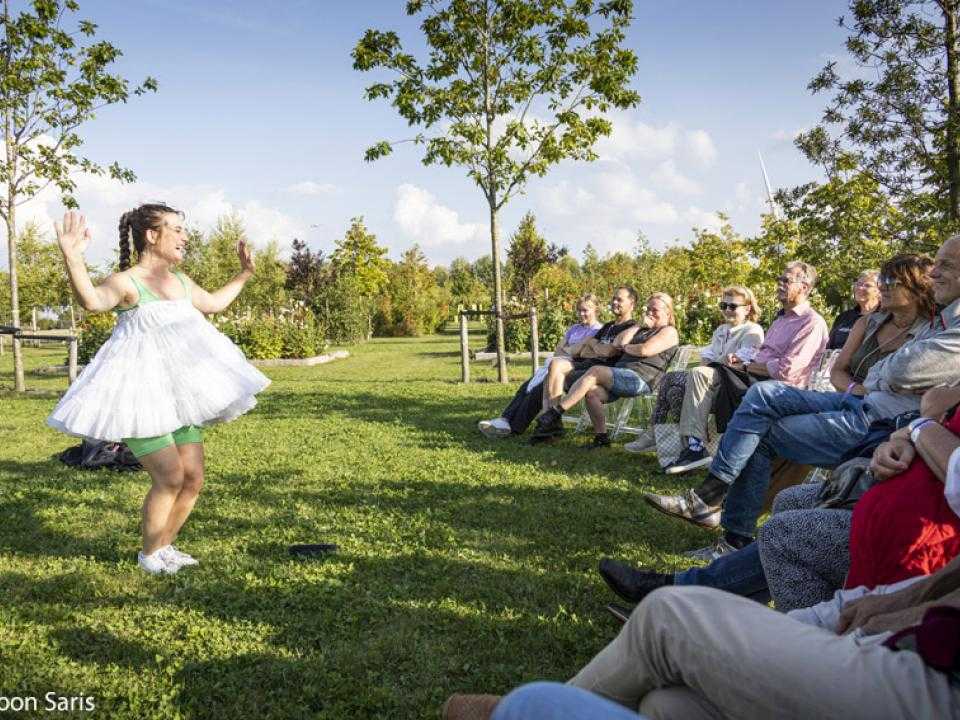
column 11, row 217
column 491, row 193
column 498, row 293
column 953, row 108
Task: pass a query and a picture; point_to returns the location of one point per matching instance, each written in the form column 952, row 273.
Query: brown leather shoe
column 469, row 707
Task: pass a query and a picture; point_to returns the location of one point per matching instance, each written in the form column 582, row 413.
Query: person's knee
column 170, row 478
column 531, row 700
column 670, row 703
column 192, row 480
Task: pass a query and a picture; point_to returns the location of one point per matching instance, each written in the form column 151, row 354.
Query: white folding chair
column 619, row 411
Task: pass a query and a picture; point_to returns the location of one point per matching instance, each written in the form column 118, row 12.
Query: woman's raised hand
column 246, row 256
column 73, row 235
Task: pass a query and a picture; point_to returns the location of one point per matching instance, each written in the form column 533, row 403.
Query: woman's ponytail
column 124, row 241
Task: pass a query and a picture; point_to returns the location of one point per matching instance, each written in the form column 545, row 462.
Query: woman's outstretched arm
column 219, row 300
column 73, row 236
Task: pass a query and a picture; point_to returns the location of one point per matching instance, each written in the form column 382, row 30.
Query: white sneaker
column 496, row 428
column 174, row 556
column 156, row 563
column 645, row 442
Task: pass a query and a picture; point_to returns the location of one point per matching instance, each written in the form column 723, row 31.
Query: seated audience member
column 644, row 358
column 866, row 295
column 740, row 311
column 789, row 353
column 604, row 347
column 906, row 304
column 908, row 524
column 817, row 428
column 804, row 548
column 563, row 357
column 702, row 653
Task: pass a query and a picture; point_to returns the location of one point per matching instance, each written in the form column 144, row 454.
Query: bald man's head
column 946, row 272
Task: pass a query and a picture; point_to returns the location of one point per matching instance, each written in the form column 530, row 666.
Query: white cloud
column 787, row 136
column 424, row 220
column 699, row 145
column 623, row 195
column 564, row 199
column 702, row 219
column 308, row 187
column 102, row 201
column 667, row 175
column 634, row 139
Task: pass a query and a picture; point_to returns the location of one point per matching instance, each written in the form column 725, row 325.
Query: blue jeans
column 553, row 701
column 813, row 428
column 740, row 573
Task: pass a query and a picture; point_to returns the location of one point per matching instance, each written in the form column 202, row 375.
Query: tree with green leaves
column 528, row 252
column 898, row 115
column 49, row 86
column 841, row 227
column 509, row 88
column 40, row 277
column 358, row 256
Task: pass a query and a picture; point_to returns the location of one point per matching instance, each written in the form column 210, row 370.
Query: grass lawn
column 465, row 564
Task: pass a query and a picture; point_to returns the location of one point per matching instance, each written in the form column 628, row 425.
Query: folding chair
column 619, row 411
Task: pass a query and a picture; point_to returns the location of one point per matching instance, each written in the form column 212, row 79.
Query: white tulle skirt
column 163, row 367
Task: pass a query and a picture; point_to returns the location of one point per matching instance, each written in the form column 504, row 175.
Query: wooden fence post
column 464, row 349
column 72, row 360
column 534, row 339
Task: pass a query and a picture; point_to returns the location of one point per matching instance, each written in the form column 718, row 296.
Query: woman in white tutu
column 163, row 374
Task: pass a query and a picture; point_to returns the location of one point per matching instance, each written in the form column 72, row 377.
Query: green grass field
column 465, row 564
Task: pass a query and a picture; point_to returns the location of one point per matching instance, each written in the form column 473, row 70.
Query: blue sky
column 259, row 112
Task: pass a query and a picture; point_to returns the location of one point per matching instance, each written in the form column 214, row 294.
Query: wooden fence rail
column 530, row 315
column 72, row 340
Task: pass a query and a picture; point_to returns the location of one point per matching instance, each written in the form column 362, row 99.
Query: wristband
column 916, row 426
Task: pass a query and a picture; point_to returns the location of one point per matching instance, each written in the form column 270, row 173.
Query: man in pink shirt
column 789, row 353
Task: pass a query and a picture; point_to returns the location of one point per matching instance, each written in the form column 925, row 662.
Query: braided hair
column 136, row 222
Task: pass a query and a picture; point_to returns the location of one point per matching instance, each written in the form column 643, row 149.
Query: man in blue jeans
column 816, row 428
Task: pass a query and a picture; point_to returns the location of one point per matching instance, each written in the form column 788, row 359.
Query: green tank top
column 145, row 295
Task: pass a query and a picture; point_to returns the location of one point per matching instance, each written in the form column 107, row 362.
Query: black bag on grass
column 96, row 454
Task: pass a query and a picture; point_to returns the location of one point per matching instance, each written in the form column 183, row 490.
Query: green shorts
column 184, row 436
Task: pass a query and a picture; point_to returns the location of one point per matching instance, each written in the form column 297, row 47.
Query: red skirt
column 903, row 527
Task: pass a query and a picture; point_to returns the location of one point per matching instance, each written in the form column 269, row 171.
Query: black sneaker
column 549, row 427
column 689, row 460
column 600, row 440
column 629, row 583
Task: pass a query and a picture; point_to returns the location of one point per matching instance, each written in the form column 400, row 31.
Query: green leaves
column 507, row 89
column 50, row 86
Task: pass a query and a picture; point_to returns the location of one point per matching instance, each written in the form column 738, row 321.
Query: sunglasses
column 888, row 283
column 729, row 306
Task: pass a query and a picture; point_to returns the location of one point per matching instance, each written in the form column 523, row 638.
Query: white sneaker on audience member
column 496, row 428
column 176, row 557
column 156, row 563
column 645, row 442
column 711, row 552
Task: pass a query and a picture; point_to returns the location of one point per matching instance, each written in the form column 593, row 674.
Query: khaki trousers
column 694, row 652
column 701, row 389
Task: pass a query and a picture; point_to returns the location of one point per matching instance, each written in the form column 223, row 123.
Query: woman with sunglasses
column 866, row 294
column 740, row 330
column 906, row 302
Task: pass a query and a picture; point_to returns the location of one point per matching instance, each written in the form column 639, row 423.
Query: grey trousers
column 692, row 652
column 702, row 387
column 805, row 551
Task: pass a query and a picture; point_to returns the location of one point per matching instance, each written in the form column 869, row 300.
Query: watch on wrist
column 916, row 426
